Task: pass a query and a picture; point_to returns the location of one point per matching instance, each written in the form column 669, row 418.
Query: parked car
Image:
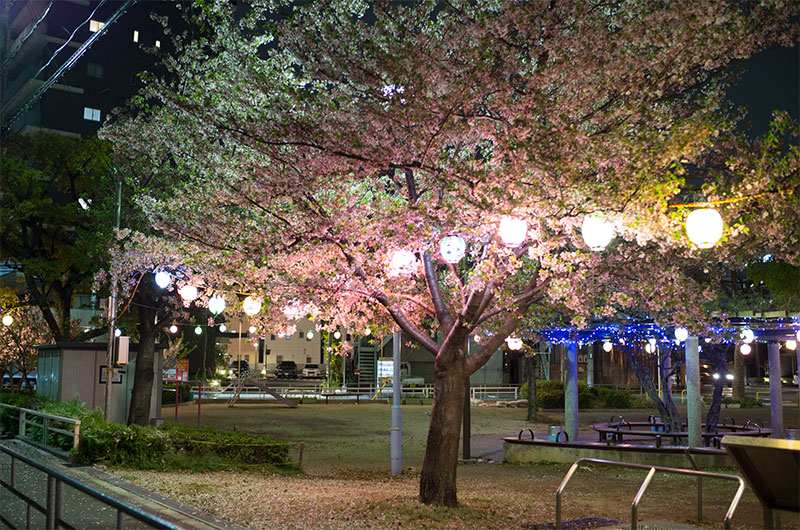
column 286, row 369
column 312, row 370
column 239, row 366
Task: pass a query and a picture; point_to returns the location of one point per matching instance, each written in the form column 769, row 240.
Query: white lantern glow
column 452, row 249
column 162, row 279
column 798, row 335
column 607, row 346
column 223, row 328
column 403, row 262
column 514, row 343
column 216, row 304
column 198, row 330
column 649, row 348
column 251, row 306
column 747, row 335
column 791, row 344
column 745, row 349
column 173, row 329
column 337, row 334
column 681, row 334
column 512, row 231
column 597, row 232
column 188, row 292
column 704, row 227
column 367, row 332
column 8, row 320
column 310, row 335
column 117, row 332
column 251, row 329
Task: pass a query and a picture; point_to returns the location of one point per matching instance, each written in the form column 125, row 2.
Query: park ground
column 346, row 481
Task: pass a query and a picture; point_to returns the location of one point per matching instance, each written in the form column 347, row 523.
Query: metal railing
column 43, row 421
column 651, row 471
column 54, row 504
column 493, row 392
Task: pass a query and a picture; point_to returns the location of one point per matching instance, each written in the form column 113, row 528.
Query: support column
column 571, row 391
column 590, row 365
column 775, row 391
column 395, row 440
column 694, row 403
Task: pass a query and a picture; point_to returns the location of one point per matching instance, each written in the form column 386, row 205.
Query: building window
column 135, row 35
column 272, row 337
column 91, row 114
column 158, row 44
column 308, row 360
column 95, row 70
column 279, row 358
column 96, row 25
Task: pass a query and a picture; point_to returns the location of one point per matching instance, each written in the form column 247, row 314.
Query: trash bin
column 553, row 432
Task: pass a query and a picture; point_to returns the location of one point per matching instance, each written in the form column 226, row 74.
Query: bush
column 171, row 447
column 9, row 419
column 550, row 395
column 609, row 398
column 168, row 393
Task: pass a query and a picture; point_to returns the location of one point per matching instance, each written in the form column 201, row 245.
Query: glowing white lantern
column 216, row 304
column 310, row 335
column 597, row 232
column 514, row 343
column 402, row 262
column 367, row 332
column 652, row 343
column 252, row 329
column 607, row 346
column 162, row 279
column 188, row 292
column 117, row 332
column 223, row 328
column 512, row 231
column 798, row 334
column 745, row 349
column 198, row 330
column 791, row 344
column 452, row 249
column 681, row 334
column 337, row 334
column 8, row 320
column 173, row 329
column 251, row 306
column 704, row 227
column 747, row 335
column 649, row 348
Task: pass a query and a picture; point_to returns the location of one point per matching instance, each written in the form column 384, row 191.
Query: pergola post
column 775, row 391
column 571, row 391
column 694, row 402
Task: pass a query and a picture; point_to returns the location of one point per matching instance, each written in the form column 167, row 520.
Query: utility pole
column 112, row 308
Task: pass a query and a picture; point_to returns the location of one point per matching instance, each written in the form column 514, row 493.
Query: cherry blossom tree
column 20, row 337
column 316, row 158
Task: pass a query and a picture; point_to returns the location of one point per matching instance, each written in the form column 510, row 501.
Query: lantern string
column 731, row 200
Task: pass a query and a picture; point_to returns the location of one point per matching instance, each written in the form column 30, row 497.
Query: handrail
column 55, row 480
column 651, row 472
column 46, row 428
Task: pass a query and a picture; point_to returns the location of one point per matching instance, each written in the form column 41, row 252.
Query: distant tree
column 320, row 161
column 19, row 339
column 55, row 221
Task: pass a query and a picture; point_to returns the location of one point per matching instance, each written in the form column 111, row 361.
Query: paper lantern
column 681, row 334
column 791, row 344
column 173, row 329
column 198, row 330
column 452, row 249
column 745, row 349
column 747, row 335
column 514, row 343
column 512, row 231
column 162, row 279
column 402, row 262
column 223, row 328
column 607, row 346
column 8, row 320
column 704, row 227
column 188, row 292
column 216, row 304
column 597, row 232
column 337, row 334
column 251, row 306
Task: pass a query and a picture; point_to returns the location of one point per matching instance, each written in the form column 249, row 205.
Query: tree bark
column 139, row 412
column 530, row 371
column 438, row 478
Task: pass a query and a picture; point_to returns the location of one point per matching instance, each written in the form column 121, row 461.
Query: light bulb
column 162, row 279
column 747, row 335
column 310, row 335
column 597, row 232
column 251, row 329
column 704, row 227
column 367, row 332
column 512, row 231
column 117, row 332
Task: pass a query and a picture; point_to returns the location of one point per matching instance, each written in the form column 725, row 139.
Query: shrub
column 610, row 398
column 550, row 399
column 168, row 393
column 749, row 402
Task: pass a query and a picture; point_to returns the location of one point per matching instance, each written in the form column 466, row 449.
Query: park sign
column 177, row 370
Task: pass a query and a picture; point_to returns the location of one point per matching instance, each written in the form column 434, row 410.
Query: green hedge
column 170, row 447
column 168, row 393
column 550, row 395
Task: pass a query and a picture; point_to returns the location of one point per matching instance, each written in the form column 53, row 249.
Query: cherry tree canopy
column 319, row 157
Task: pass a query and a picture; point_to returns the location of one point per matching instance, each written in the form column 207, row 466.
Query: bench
column 343, row 394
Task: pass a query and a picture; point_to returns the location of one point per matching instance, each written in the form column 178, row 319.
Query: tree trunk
column 530, row 370
column 139, row 412
column 437, row 483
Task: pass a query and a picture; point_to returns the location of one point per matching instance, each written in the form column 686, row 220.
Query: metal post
column 775, row 391
column 693, row 397
column 571, row 391
column 590, row 366
column 396, row 433
column 199, row 399
column 50, row 508
column 112, row 312
column 466, row 421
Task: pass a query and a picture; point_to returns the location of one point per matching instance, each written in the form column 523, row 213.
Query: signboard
column 385, row 369
column 116, row 375
column 177, row 371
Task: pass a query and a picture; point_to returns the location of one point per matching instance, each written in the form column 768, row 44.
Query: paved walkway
column 82, row 511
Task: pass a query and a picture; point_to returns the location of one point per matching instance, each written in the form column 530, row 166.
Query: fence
column 42, row 424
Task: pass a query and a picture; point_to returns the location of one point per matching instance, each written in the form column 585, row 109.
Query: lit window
column 96, row 25
column 158, row 44
column 91, row 114
column 95, row 70
column 135, row 35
